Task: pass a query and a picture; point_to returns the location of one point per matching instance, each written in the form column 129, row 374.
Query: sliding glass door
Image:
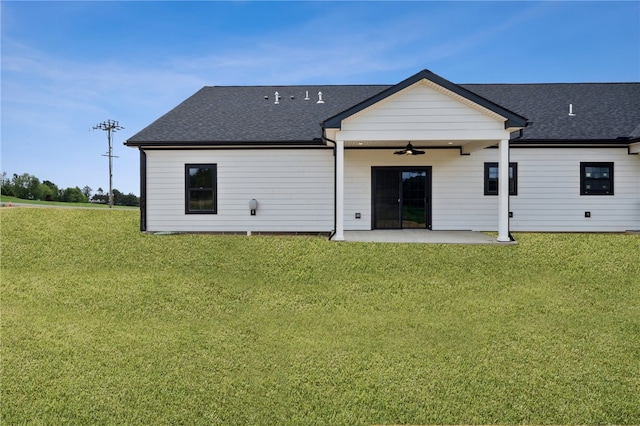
column 401, row 197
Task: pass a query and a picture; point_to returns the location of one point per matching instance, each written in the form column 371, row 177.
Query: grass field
column 102, row 324
column 5, row 200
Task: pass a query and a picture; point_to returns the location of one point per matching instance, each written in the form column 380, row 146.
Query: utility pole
column 109, row 126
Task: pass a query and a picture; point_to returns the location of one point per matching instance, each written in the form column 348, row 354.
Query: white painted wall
column 294, row 189
column 548, row 190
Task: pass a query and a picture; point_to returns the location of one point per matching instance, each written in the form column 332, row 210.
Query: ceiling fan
column 409, row 150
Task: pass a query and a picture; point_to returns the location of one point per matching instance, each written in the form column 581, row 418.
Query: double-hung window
column 596, row 178
column 491, row 173
column 200, row 188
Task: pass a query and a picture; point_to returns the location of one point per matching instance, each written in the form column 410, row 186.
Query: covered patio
column 432, row 114
column 421, row 236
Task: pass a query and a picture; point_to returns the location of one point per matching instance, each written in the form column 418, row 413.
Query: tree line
column 29, row 187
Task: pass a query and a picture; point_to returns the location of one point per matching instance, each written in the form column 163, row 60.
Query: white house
column 424, row 153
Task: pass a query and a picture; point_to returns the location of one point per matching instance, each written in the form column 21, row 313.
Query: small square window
column 200, row 191
column 596, row 178
column 491, row 174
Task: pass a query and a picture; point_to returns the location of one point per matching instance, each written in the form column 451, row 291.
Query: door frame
column 401, row 169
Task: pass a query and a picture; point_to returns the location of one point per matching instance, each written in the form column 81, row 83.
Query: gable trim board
column 310, row 165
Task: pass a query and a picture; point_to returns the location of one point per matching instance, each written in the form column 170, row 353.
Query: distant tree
column 47, row 194
column 26, row 186
column 73, row 195
column 87, row 191
column 49, row 191
column 130, row 200
column 117, row 197
column 6, row 188
column 120, row 199
column 100, row 197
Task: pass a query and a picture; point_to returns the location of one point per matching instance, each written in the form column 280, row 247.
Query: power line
column 109, row 126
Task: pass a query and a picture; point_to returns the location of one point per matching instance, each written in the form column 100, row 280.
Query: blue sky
column 67, row 66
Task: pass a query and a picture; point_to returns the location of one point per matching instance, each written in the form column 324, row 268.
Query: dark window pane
column 200, row 177
column 596, row 178
column 596, row 185
column 512, row 181
column 200, row 200
column 597, row 172
column 491, row 175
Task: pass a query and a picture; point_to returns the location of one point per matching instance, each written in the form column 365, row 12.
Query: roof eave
column 142, row 144
column 570, row 142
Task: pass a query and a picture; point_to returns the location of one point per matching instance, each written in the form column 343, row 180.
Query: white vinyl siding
column 294, row 190
column 548, row 190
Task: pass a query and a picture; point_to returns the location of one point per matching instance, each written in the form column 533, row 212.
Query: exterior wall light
column 253, row 206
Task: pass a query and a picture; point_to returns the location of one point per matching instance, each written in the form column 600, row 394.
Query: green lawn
column 104, row 325
column 5, row 200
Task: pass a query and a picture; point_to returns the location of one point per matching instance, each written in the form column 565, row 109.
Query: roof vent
column 571, row 113
column 320, row 101
column 277, row 98
column 306, row 95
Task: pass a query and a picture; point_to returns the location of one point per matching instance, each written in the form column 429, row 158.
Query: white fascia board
column 634, row 148
column 421, row 135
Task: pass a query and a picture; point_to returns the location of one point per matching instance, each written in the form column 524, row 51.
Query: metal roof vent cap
column 320, row 101
column 277, row 98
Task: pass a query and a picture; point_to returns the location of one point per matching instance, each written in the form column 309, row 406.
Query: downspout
column 143, row 190
column 335, row 180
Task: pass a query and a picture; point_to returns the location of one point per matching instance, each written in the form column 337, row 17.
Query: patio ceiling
column 466, row 146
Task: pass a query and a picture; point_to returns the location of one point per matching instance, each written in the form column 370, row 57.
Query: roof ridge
column 549, row 84
column 299, row 85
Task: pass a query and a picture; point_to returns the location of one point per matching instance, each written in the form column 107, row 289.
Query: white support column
column 339, row 235
column 503, row 192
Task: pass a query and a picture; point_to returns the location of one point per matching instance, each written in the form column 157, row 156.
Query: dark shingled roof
column 241, row 114
column 603, row 111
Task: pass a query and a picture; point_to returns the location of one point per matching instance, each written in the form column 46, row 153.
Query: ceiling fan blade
column 409, row 150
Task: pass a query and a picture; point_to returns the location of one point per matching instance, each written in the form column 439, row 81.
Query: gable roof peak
column 512, row 119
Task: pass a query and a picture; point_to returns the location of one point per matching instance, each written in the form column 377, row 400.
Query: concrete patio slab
column 423, row 236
